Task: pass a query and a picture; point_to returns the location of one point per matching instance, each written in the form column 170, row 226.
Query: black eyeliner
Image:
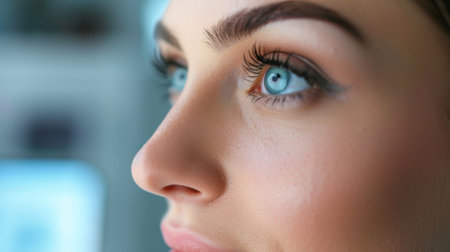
column 258, row 59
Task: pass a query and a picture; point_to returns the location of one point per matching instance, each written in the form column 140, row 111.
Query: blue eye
column 280, row 81
column 178, row 78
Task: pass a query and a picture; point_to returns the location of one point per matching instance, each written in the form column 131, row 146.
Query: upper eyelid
column 257, row 58
column 267, row 50
column 162, row 63
column 312, row 66
column 170, row 55
column 170, row 60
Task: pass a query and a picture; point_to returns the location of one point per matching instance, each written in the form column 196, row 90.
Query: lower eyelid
column 294, row 100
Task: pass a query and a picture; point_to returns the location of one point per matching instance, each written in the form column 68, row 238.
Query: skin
column 367, row 170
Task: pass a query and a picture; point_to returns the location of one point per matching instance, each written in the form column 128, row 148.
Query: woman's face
column 301, row 127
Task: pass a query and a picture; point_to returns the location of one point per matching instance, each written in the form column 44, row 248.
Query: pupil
column 276, row 77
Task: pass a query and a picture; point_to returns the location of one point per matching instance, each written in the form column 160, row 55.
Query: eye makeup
column 302, row 81
column 173, row 72
column 166, row 65
column 259, row 62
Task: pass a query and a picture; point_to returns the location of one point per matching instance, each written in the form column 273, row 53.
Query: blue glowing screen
column 50, row 206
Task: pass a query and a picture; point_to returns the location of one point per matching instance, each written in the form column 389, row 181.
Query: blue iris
column 178, row 78
column 280, row 81
column 276, row 80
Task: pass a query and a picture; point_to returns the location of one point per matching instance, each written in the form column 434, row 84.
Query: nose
column 180, row 161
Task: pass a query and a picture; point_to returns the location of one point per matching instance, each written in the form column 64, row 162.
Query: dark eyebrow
column 247, row 21
column 162, row 32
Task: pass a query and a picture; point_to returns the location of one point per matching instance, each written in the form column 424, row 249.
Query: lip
column 181, row 239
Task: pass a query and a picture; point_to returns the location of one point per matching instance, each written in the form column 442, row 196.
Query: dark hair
column 438, row 10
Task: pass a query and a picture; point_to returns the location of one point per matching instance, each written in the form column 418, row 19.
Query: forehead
column 205, row 13
column 191, row 17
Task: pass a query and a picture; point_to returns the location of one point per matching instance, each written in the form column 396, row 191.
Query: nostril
column 179, row 189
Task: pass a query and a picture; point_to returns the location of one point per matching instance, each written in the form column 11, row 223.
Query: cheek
column 280, row 181
column 333, row 180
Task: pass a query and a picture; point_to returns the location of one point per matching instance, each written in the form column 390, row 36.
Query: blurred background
column 78, row 98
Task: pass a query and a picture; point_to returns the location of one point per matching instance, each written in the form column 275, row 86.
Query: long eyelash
column 161, row 65
column 258, row 58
